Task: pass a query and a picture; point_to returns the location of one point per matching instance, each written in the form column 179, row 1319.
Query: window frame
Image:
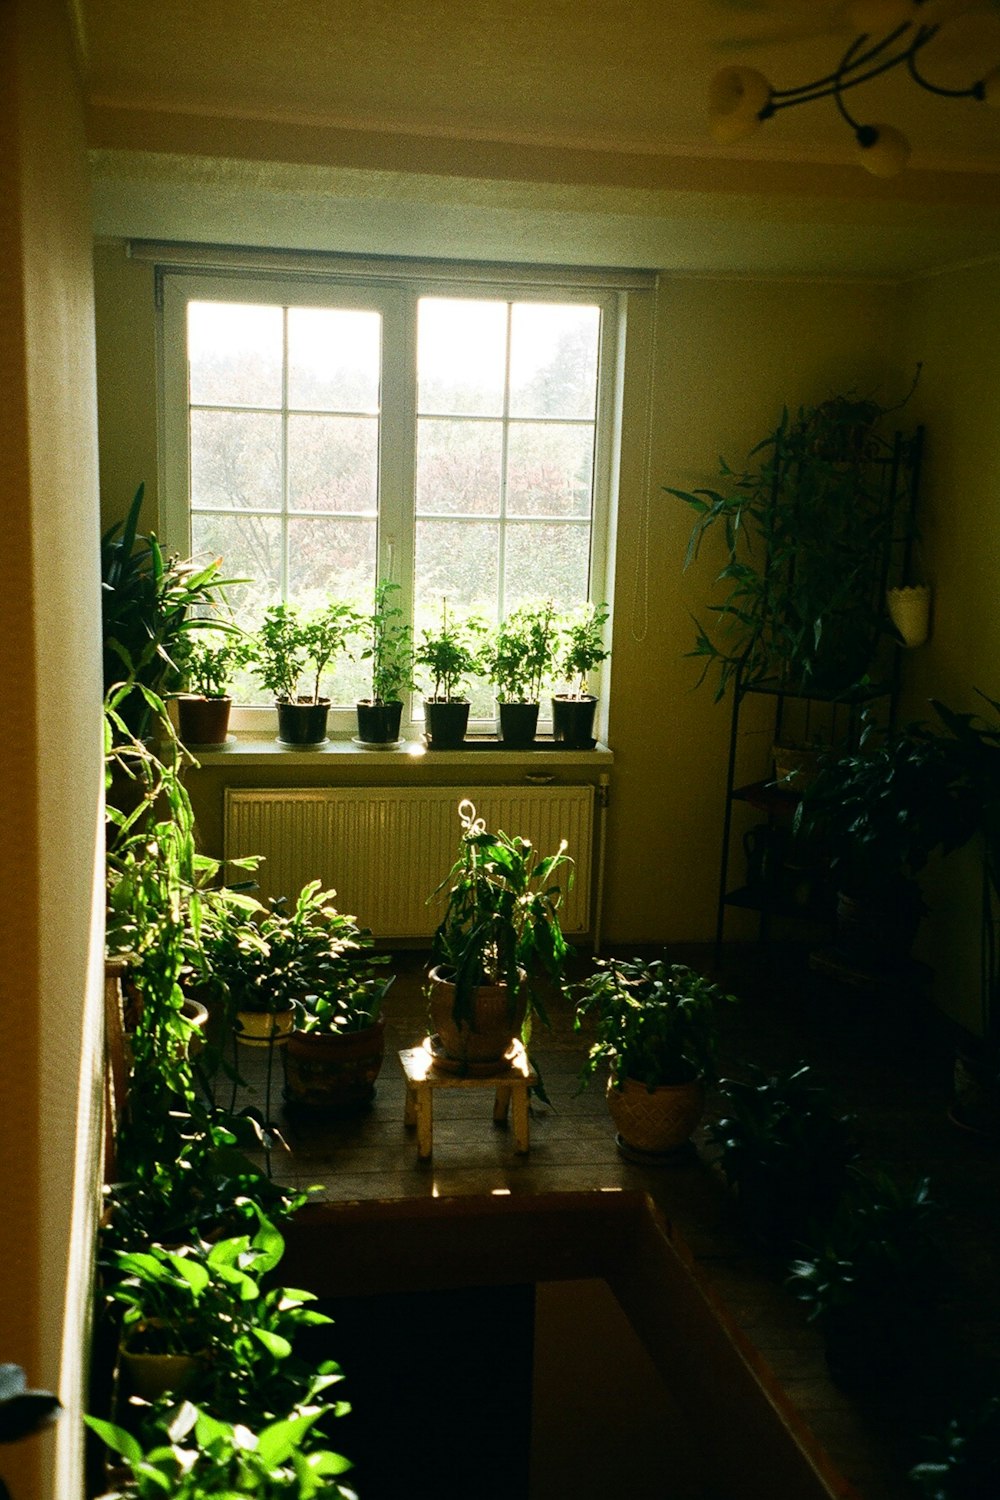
column 394, row 292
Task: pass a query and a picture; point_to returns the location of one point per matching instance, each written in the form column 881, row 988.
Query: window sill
column 544, row 756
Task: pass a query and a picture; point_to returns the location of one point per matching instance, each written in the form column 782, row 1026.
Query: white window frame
column 394, row 290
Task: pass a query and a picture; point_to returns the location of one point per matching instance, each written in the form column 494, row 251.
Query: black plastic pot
column 518, row 722
column 446, row 721
column 378, row 723
column 302, row 724
column 573, row 721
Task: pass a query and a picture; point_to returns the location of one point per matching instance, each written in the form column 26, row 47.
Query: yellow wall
column 51, row 776
column 728, row 355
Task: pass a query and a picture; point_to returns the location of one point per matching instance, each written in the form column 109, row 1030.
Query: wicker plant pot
column 262, row 1028
column 658, row 1120
column 494, row 1026
column 333, row 1074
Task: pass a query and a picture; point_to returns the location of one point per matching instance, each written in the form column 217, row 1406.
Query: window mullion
column 284, row 453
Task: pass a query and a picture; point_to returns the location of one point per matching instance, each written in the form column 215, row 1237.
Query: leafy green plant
column 519, row 653
column 389, row 647
column 267, row 961
column 581, row 646
column 805, row 528
column 152, row 605
column 784, row 1149
column 963, row 1461
column 207, row 663
column 289, row 644
column 450, row 654
column 193, row 1455
column 501, row 923
column 354, row 1006
column 654, row 1022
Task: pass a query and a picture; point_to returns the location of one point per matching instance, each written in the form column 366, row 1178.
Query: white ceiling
column 211, row 119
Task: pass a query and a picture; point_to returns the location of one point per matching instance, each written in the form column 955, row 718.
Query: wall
column 728, row 355
column 51, row 771
column 951, row 325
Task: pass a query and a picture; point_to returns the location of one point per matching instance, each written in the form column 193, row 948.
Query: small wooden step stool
column 511, row 1081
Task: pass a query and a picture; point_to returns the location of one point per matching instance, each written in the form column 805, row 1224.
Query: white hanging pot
column 910, row 612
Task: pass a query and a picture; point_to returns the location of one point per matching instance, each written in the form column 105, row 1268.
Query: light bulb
column 736, row 97
column 882, row 150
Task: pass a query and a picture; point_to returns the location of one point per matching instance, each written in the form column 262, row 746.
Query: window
column 454, row 436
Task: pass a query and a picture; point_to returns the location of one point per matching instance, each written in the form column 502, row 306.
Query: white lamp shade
column 736, row 97
column 888, row 152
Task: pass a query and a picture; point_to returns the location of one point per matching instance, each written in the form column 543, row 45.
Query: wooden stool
column 511, row 1081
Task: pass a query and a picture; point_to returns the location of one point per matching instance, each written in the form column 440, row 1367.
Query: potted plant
column 784, row 1150
column 389, row 649
column 334, row 1053
column 518, row 656
column 869, row 1276
column 805, row 527
column 582, row 649
column 499, row 936
column 152, row 606
column 963, row 1461
column 290, row 647
column 266, row 962
column 656, row 1026
column 204, row 704
column 450, row 655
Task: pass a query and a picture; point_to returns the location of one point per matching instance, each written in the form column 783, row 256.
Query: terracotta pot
column 378, row 723
column 203, row 721
column 656, row 1120
column 259, row 1028
column 302, row 723
column 494, row 1023
column 573, row 721
column 334, row 1073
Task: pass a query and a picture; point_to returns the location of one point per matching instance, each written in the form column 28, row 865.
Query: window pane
column 549, row 469
column 235, row 460
column 461, row 356
column 458, row 467
column 333, row 359
column 457, row 560
column 250, row 547
column 553, row 360
column 333, row 463
column 331, row 558
column 546, row 561
column 234, row 354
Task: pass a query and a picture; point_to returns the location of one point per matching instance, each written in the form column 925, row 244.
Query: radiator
column 385, row 849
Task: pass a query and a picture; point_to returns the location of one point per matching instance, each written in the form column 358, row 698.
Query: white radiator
column 385, row 849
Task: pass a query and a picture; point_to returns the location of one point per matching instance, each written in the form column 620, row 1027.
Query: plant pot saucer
column 377, row 744
column 225, row 744
column 311, row 745
column 445, row 1064
column 673, row 1158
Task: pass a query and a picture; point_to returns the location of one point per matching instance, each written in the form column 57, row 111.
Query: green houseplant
column 389, row 650
column 499, row 936
column 289, row 653
column 869, row 1276
column 656, row 1027
column 152, row 606
column 784, row 1150
column 581, row 649
column 335, row 1051
column 450, row 655
column 963, row 1460
column 518, row 655
column 204, row 704
column 804, row 529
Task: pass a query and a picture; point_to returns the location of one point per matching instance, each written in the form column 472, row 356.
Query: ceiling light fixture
column 740, row 99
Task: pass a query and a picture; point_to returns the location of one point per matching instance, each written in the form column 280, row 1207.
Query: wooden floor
column 889, row 1062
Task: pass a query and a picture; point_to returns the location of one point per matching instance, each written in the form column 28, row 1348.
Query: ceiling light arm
column 801, row 93
column 976, row 90
column 836, row 83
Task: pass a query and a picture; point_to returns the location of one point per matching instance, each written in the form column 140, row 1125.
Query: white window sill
column 545, row 756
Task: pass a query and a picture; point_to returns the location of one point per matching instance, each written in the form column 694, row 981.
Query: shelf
column 775, row 687
column 767, row 798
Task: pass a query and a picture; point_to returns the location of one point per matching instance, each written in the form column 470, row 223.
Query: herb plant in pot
column 518, row 657
column 389, row 650
column 450, row 655
column 582, row 649
column 203, row 707
column 656, row 1026
column 289, row 645
column 499, row 937
column 334, row 1054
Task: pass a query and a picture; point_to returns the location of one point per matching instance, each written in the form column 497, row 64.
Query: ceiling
column 585, row 121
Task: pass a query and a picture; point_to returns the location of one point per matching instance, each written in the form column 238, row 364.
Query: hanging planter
column 910, row 612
